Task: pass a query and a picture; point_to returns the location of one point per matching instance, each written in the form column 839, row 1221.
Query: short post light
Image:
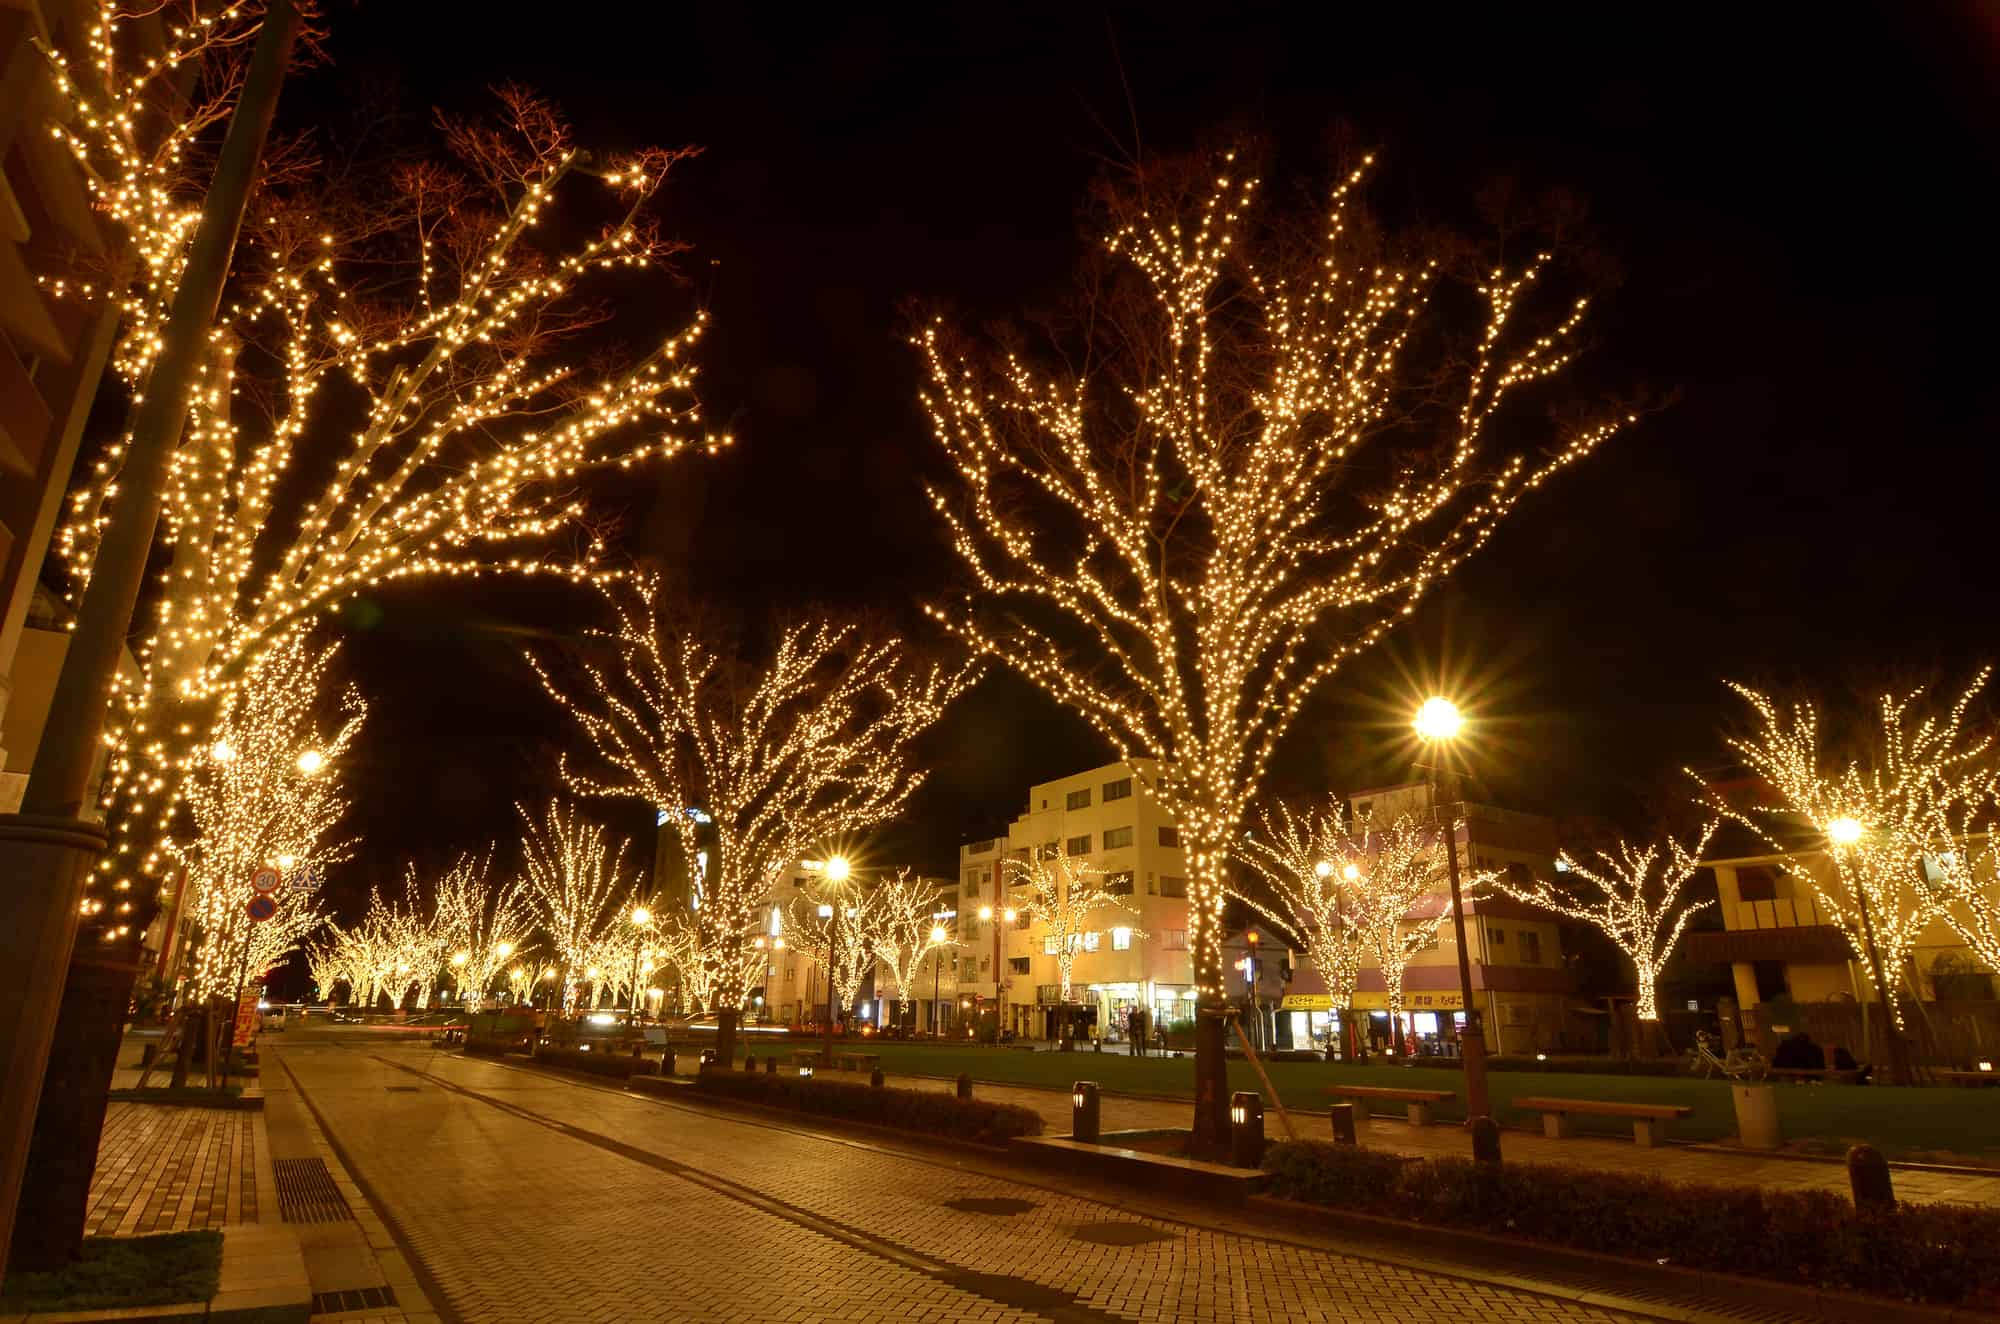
column 1342, row 1115
column 805, row 1071
column 1246, row 1129
column 1085, row 1118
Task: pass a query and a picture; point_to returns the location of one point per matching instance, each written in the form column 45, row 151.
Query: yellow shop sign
column 1427, row 1000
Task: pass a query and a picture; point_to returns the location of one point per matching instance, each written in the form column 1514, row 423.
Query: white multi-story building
column 1125, row 959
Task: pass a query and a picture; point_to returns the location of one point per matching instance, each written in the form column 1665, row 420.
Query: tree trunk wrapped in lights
column 1637, row 913
column 576, row 879
column 1916, row 783
column 1311, row 866
column 752, row 766
column 1248, row 457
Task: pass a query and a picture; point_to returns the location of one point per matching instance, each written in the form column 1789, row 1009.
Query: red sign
column 246, row 1017
column 261, row 907
column 265, row 880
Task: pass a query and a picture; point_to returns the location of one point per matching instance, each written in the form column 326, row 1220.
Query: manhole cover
column 989, row 1205
column 1118, row 1234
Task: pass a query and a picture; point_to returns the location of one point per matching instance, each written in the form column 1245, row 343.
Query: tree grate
column 365, row 1298
column 306, row 1193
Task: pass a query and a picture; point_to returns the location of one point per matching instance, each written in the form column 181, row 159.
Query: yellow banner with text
column 1427, row 1000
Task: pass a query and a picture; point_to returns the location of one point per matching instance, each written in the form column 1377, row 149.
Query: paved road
column 532, row 1198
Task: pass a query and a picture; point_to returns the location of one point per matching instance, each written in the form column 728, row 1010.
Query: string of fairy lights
column 1195, row 512
column 1636, row 907
column 753, row 767
column 577, row 883
column 479, row 416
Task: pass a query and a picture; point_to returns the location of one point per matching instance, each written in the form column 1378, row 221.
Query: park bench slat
column 1648, row 1119
column 1419, row 1102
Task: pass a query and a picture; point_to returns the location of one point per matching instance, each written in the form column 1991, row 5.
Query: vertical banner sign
column 246, row 1017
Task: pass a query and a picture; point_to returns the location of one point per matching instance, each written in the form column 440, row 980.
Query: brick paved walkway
column 171, row 1169
column 533, row 1198
column 1680, row 1162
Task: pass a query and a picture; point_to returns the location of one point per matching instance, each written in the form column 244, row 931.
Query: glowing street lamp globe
column 504, row 949
column 836, row 869
column 460, row 958
column 1438, row 719
column 1844, row 831
column 1351, row 872
column 1324, row 869
column 311, row 761
column 641, row 915
column 937, row 933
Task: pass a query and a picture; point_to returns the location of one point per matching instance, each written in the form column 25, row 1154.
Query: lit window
column 1049, row 945
column 1121, row 940
column 1090, row 941
column 1118, row 884
column 1174, row 940
column 1173, row 887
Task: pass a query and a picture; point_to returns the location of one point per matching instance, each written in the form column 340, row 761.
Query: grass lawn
column 123, row 1271
column 1899, row 1121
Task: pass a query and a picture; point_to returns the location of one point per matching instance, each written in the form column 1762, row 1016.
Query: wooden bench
column 856, row 1061
column 1972, row 1079
column 1648, row 1119
column 1420, row 1102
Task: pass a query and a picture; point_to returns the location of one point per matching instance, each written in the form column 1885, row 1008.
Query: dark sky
column 1801, row 202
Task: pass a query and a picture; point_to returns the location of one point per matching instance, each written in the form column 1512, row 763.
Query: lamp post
column 1438, row 723
column 642, row 919
column 833, row 870
column 937, row 973
column 1844, row 834
column 994, row 918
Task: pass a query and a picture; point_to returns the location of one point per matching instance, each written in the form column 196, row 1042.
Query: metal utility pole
column 1472, row 1043
column 48, row 850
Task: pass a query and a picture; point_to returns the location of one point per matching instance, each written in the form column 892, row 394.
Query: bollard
column 1485, row 1140
column 707, row 1059
column 1246, row 1129
column 964, row 1086
column 1343, row 1123
column 749, row 1061
column 1085, row 1125
column 1868, row 1174
column 875, row 1079
column 771, row 1065
column 667, row 1061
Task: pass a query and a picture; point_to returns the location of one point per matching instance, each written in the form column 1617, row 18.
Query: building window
column 1517, row 874
column 1117, row 837
column 1118, row 790
column 980, row 847
column 1756, row 884
column 1049, row 945
column 1498, row 937
column 1531, row 947
column 1170, row 836
column 1121, row 940
column 1090, row 941
column 972, row 886
column 1077, row 799
column 1174, row 940
column 1173, row 887
column 984, row 962
column 1048, row 850
column 1118, row 884
column 1018, row 964
column 1078, row 845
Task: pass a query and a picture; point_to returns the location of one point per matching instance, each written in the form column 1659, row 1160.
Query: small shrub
column 492, row 1047
column 599, row 1064
column 932, row 1113
column 1939, row 1253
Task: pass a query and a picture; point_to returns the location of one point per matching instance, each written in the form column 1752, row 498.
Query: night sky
column 1800, row 203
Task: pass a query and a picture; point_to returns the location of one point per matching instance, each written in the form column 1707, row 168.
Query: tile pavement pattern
column 172, row 1169
column 681, row 1215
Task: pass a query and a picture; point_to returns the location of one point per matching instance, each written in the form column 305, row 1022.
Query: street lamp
column 642, row 918
column 986, row 913
column 833, row 869
column 938, row 936
column 1438, row 723
column 1845, row 833
column 311, row 761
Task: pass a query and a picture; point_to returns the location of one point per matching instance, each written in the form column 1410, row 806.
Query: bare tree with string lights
column 780, row 758
column 577, row 883
column 1248, row 455
column 1882, row 817
column 910, row 930
column 1637, row 903
column 1310, row 866
column 1065, row 898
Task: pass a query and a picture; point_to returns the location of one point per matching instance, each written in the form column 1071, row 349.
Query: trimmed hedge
column 600, row 1064
column 1938, row 1253
column 1576, row 1066
column 493, row 1047
column 931, row 1112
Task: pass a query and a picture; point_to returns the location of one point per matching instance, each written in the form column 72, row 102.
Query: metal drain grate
column 306, row 1193
column 366, row 1298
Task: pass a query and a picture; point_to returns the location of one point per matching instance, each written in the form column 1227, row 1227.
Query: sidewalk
column 1706, row 1164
